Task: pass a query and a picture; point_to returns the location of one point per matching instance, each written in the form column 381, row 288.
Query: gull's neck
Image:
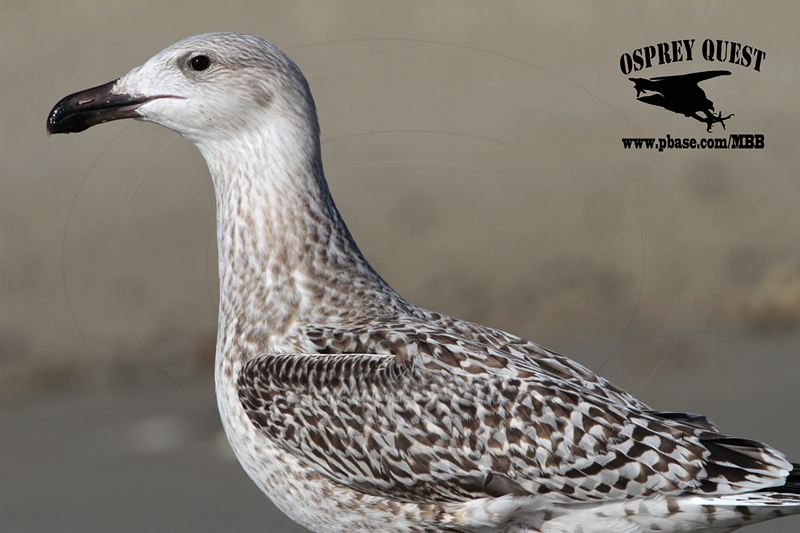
column 286, row 257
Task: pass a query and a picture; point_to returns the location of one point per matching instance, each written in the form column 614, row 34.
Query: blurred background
column 474, row 149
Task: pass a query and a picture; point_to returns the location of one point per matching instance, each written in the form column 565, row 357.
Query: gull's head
column 207, row 88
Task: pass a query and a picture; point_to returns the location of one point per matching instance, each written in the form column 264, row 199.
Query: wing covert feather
column 408, row 432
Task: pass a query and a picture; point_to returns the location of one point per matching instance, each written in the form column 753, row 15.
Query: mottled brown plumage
column 355, row 410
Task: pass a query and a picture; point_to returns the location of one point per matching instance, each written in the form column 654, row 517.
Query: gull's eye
column 200, row 62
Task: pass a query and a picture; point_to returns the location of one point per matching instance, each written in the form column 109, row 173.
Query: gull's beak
column 87, row 108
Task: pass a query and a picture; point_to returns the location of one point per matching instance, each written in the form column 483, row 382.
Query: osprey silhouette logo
column 682, row 94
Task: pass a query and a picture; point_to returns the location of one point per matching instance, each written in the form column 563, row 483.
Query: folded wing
column 415, row 432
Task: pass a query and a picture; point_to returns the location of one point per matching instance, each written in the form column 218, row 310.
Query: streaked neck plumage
column 285, row 255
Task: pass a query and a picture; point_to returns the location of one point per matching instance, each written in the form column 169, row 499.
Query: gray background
column 474, row 149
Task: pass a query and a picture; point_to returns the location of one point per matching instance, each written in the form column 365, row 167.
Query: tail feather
column 735, row 465
column 792, row 484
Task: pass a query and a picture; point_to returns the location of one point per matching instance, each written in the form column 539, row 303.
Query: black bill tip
column 90, row 107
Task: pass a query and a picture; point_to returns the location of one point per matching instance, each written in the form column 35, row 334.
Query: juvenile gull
column 355, row 410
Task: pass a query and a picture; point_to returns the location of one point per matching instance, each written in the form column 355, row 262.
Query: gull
column 353, row 409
